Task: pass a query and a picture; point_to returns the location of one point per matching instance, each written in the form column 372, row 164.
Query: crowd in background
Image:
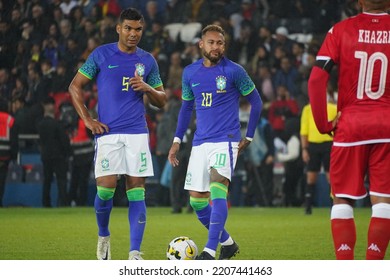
column 44, row 42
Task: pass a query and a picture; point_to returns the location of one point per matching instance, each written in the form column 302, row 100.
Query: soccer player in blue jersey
column 214, row 85
column 124, row 74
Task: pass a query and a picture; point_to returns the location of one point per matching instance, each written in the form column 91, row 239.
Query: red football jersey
column 360, row 46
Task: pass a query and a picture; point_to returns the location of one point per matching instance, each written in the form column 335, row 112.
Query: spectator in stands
column 265, row 38
column 50, row 49
column 191, row 52
column 37, row 89
column 55, row 152
column 54, row 31
column 72, row 52
column 67, row 5
column 261, row 57
column 174, row 11
column 300, row 9
column 87, row 6
column 282, row 109
column 88, row 30
column 20, row 113
column 23, row 7
column 110, row 7
column 106, row 32
column 36, row 52
column 298, row 54
column 152, row 14
column 30, row 34
column 197, row 11
column 249, row 11
column 175, row 72
column 5, row 84
column 278, row 9
column 92, row 43
column 243, row 49
column 77, row 18
column 8, row 142
column 20, row 88
column 21, row 59
column 8, row 42
column 61, row 78
column 40, row 19
column 65, row 33
column 96, row 14
column 281, row 39
column 276, row 58
column 263, row 81
column 288, row 76
column 57, row 15
column 156, row 41
column 16, row 22
column 47, row 70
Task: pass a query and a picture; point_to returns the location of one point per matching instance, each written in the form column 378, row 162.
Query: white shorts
column 123, row 154
column 220, row 156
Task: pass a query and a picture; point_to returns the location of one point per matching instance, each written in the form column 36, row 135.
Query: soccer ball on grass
column 182, row 248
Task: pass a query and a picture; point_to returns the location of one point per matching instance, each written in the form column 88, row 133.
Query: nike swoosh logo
column 142, row 170
column 112, row 66
column 195, row 84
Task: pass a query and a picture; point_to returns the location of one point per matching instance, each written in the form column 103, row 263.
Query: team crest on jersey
column 105, row 164
column 221, row 84
column 140, row 68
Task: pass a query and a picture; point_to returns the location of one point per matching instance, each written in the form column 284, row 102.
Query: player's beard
column 213, row 59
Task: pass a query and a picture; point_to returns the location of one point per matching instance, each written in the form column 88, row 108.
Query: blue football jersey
column 216, row 92
column 119, row 106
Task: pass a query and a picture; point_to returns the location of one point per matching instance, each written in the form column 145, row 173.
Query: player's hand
column 336, row 119
column 172, row 154
column 334, row 123
column 242, row 145
column 137, row 83
column 95, row 126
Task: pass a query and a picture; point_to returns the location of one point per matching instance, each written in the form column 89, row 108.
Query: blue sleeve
column 256, row 106
column 243, row 82
column 90, row 68
column 154, row 79
column 187, row 93
column 184, row 118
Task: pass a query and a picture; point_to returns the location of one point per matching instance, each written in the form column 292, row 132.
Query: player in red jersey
column 360, row 46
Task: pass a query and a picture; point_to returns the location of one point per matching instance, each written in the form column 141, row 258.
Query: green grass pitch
column 262, row 233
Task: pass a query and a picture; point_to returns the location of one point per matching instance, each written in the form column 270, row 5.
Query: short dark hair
column 130, row 14
column 213, row 27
